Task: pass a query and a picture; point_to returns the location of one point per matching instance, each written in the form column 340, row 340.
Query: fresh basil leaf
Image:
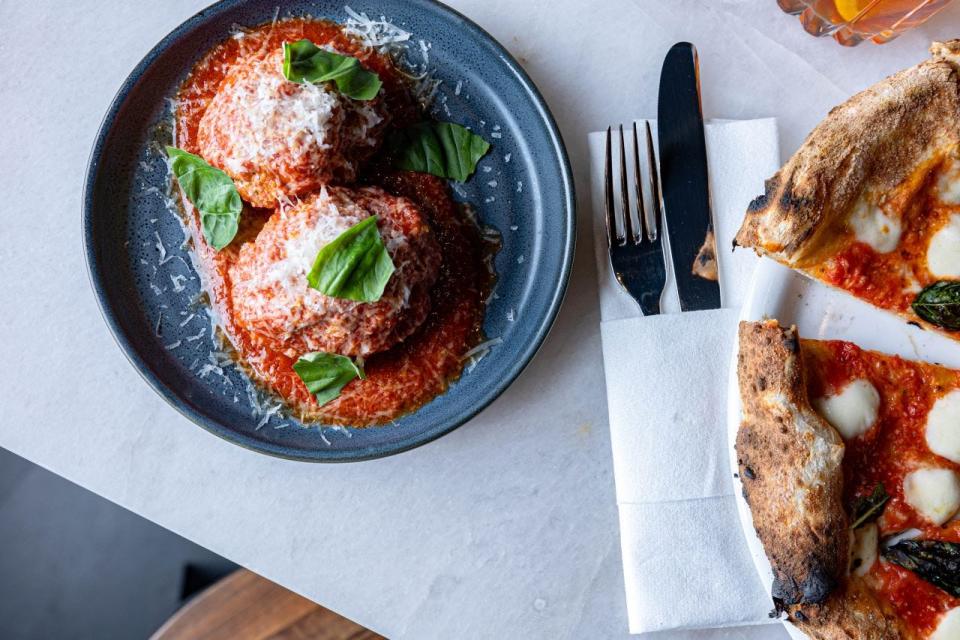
column 935, row 561
column 439, row 148
column 305, row 62
column 939, row 304
column 355, row 266
column 326, row 374
column 869, row 508
column 213, row 194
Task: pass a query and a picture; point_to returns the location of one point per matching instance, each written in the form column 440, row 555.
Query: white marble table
column 505, row 528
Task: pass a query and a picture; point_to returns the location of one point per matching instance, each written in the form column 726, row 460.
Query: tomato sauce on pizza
column 898, row 243
column 884, row 406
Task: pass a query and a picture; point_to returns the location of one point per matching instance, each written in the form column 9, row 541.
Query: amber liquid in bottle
column 851, row 22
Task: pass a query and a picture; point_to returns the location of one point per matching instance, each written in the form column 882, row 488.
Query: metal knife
column 683, row 176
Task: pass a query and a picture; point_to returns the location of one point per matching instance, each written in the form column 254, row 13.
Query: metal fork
column 636, row 254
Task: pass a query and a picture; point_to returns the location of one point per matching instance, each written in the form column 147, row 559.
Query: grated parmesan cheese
column 376, row 34
column 178, row 281
column 265, row 418
column 482, row 347
column 162, row 249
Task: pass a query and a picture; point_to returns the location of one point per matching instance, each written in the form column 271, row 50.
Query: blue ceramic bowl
column 148, row 291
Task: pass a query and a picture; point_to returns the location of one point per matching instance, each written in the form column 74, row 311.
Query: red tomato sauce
column 893, row 447
column 892, row 280
column 415, row 371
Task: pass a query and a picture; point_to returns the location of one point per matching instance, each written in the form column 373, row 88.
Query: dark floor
column 73, row 565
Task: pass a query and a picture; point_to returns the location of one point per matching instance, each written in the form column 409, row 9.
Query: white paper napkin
column 685, row 561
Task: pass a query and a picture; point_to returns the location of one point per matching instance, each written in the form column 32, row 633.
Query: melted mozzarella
column 874, row 227
column 943, row 427
column 949, row 626
column 852, row 411
column 943, row 253
column 933, row 493
column 863, row 551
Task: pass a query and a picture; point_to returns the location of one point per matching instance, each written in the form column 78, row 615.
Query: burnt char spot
column 749, row 474
column 818, row 585
column 779, row 608
column 762, row 383
column 814, row 589
column 758, row 204
column 784, row 589
column 800, row 615
column 790, row 342
column 915, row 324
column 789, row 200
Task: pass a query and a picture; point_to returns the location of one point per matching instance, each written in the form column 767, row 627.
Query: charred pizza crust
column 872, row 142
column 851, row 611
column 789, row 461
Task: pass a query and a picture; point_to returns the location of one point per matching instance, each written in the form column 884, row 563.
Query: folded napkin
column 685, row 560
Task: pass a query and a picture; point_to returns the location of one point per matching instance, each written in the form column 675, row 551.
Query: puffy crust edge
column 873, row 142
column 850, row 612
column 789, row 463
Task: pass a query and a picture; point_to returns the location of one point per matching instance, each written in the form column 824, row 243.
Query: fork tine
column 642, row 222
column 654, row 229
column 613, row 237
column 625, row 194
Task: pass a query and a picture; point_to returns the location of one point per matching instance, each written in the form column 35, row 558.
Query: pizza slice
column 850, row 463
column 870, row 203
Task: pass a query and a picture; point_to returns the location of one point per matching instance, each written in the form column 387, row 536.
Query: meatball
column 269, row 280
column 278, row 138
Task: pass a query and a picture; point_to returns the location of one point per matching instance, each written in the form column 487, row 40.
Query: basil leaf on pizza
column 939, row 304
column 869, row 508
column 935, row 561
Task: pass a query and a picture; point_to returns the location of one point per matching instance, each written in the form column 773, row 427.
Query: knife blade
column 683, row 177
